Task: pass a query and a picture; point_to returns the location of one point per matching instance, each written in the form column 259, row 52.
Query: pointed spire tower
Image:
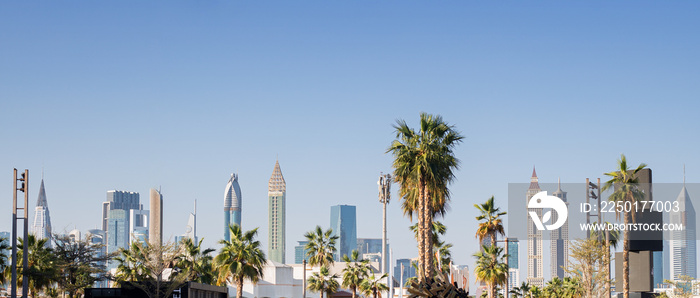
column 42, row 219
column 232, row 205
column 535, row 266
column 276, row 195
column 683, row 244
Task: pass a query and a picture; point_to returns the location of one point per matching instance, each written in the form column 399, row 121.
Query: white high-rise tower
column 42, row 219
column 535, row 269
column 683, row 244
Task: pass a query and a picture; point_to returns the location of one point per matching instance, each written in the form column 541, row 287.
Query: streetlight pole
column 303, row 284
column 25, row 189
column 384, row 184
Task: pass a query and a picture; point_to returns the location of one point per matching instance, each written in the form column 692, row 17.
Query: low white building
column 285, row 281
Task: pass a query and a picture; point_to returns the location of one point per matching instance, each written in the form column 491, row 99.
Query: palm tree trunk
column 239, row 285
column 421, row 234
column 354, row 292
column 427, row 232
column 626, row 261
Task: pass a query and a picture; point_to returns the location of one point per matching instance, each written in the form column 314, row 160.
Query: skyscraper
column 276, row 195
column 344, row 225
column 232, row 205
column 371, row 249
column 683, row 244
column 560, row 240
column 155, row 227
column 42, row 219
column 535, row 268
column 115, row 218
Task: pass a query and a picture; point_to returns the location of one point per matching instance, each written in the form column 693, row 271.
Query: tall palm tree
column 444, row 256
column 423, row 166
column 572, row 288
column 626, row 186
column 491, row 268
column 323, row 282
column 196, row 263
column 491, row 224
column 356, row 270
column 374, row 286
column 42, row 267
column 321, row 246
column 440, row 248
column 240, row 258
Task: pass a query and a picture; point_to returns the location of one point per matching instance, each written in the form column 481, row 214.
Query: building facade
column 300, row 252
column 344, row 225
column 138, row 225
column 155, row 227
column 560, row 241
column 371, row 249
column 42, row 218
column 683, row 244
column 115, row 218
column 276, row 195
column 232, row 205
column 535, row 268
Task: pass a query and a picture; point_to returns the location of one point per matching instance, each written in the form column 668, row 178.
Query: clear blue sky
column 131, row 95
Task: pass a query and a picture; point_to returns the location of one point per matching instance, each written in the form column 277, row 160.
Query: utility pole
column 384, row 197
column 303, row 284
column 24, row 187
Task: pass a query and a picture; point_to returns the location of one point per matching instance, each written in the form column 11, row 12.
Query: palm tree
column 131, row 266
column 374, row 286
column 554, row 288
column 356, row 270
column 3, row 258
column 323, row 281
column 491, row 268
column 522, row 291
column 241, row 258
column 625, row 183
column 491, row 224
column 196, row 263
column 41, row 271
column 535, row 292
column 321, row 246
column 572, row 287
column 423, row 166
column 442, row 248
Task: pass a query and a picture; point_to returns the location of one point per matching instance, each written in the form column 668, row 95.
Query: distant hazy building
column 535, row 267
column 371, row 249
column 42, row 219
column 560, row 241
column 683, row 244
column 97, row 236
column 191, row 227
column 408, row 269
column 155, row 227
column 276, row 194
column 658, row 268
column 344, row 225
column 74, row 235
column 300, row 253
column 138, row 225
column 233, row 201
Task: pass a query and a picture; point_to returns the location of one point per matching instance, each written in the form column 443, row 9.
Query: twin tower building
column 276, row 194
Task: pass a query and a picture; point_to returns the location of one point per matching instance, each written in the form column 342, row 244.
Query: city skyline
column 88, row 87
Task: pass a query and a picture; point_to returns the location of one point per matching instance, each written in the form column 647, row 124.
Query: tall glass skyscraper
column 560, row 241
column 232, row 205
column 115, row 218
column 276, row 195
column 300, row 252
column 344, row 225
